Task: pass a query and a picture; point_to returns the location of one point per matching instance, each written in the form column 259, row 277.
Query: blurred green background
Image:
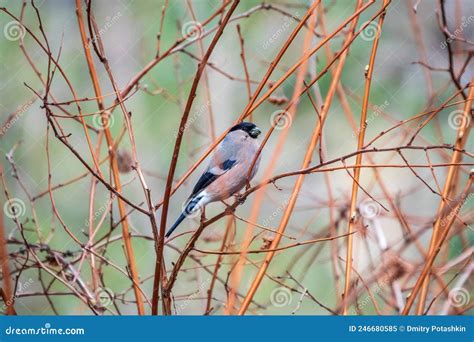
column 129, row 31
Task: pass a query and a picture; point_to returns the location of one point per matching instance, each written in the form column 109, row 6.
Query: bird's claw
column 239, row 198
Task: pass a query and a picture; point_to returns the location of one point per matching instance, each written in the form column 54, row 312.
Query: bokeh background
column 129, row 31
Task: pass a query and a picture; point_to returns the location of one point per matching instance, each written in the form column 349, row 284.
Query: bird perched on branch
column 227, row 171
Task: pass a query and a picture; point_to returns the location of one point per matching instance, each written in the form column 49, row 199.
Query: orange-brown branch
column 360, row 144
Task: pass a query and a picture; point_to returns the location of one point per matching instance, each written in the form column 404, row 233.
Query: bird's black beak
column 255, row 132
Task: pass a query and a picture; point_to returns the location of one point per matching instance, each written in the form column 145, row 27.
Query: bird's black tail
column 188, row 210
column 176, row 224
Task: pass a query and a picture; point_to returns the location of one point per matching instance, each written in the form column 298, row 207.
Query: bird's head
column 251, row 129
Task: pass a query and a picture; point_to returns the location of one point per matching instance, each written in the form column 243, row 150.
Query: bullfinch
column 227, row 171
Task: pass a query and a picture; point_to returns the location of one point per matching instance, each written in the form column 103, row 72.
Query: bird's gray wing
column 222, row 161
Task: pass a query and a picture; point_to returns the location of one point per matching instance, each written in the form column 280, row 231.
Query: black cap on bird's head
column 248, row 127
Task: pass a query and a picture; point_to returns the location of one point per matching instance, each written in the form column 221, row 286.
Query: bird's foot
column 240, row 198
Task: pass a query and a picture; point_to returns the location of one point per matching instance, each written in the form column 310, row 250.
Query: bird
column 227, row 171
